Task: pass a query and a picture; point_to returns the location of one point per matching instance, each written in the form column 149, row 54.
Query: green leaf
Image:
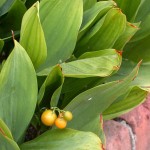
column 135, row 97
column 7, row 143
column 94, row 101
column 129, row 7
column 18, row 91
column 91, row 16
column 88, row 4
column 130, row 30
column 56, row 95
column 104, row 33
column 144, row 30
column 5, row 130
column 60, row 29
column 143, row 10
column 142, row 80
column 51, row 87
column 1, row 44
column 32, row 36
column 79, row 85
column 143, row 16
column 100, row 63
column 5, row 6
column 66, row 139
column 13, row 19
column 136, row 51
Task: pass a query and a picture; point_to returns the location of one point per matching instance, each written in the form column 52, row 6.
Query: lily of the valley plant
column 74, row 61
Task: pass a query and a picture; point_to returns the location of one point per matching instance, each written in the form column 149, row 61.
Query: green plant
column 78, row 56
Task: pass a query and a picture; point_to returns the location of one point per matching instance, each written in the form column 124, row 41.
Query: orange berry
column 48, row 117
column 60, row 123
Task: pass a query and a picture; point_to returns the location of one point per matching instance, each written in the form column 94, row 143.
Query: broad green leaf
column 1, row 44
column 136, row 51
column 143, row 10
column 5, row 6
column 142, row 80
column 89, row 35
column 61, row 22
column 133, row 99
column 143, row 15
column 104, row 33
column 91, row 16
column 13, row 19
column 79, row 85
column 5, row 130
column 130, row 30
column 66, row 139
column 129, row 7
column 99, row 63
column 95, row 126
column 144, row 30
column 88, row 4
column 51, row 87
column 138, row 48
column 94, row 101
column 32, row 36
column 18, row 91
column 7, row 143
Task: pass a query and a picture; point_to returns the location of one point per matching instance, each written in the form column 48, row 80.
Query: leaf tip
column 59, row 66
column 101, row 121
column 132, row 25
column 138, row 65
column 140, row 62
column 36, row 5
column 119, row 52
column 13, row 35
column 116, row 67
column 2, row 132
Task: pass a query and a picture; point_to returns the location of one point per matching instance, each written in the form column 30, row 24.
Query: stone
column 139, row 121
column 130, row 131
column 117, row 136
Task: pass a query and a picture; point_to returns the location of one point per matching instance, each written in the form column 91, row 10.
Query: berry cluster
column 49, row 117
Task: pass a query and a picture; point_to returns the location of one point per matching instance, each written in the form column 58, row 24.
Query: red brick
column 117, row 136
column 139, row 120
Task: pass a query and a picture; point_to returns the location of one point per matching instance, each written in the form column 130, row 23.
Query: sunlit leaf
column 99, row 63
column 60, row 29
column 32, row 36
column 104, row 33
column 91, row 16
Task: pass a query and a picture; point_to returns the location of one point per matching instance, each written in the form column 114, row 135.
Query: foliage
column 87, row 57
